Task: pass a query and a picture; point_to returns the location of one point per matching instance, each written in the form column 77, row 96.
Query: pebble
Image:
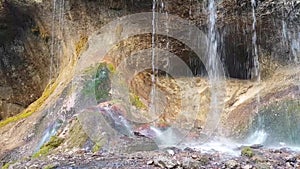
column 231, row 164
column 194, row 156
column 150, row 162
column 248, row 166
column 171, row 152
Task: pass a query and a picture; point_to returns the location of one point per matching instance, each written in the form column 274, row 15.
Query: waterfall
column 256, row 65
column 213, row 70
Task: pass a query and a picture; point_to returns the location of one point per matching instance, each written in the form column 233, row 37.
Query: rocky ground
column 256, row 157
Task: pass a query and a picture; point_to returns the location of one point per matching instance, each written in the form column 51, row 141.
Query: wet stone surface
column 181, row 159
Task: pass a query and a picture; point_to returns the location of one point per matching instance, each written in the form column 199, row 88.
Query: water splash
column 258, row 137
column 166, row 137
column 119, row 122
column 48, row 133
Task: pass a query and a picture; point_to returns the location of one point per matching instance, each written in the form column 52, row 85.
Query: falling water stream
column 58, row 23
column 256, row 67
column 152, row 106
column 213, row 71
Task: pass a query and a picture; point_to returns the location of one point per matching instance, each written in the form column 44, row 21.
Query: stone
column 256, row 146
column 248, row 166
column 231, row 164
column 262, row 166
column 171, row 152
column 258, row 158
column 190, row 164
column 194, row 156
column 291, row 159
column 150, row 162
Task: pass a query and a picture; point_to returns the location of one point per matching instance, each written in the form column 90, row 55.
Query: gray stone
column 248, row 166
column 231, row 164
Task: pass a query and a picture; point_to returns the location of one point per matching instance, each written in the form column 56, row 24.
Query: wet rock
column 262, row 166
column 291, row 159
column 204, row 160
column 188, row 149
column 190, row 164
column 256, row 146
column 164, row 162
column 231, row 164
column 171, row 152
column 258, row 158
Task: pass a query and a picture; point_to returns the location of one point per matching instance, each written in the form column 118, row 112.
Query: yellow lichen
column 81, row 44
column 135, row 101
column 111, row 67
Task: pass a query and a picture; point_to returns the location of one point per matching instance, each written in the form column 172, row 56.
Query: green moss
column 99, row 144
column 31, row 108
column 99, row 85
column 135, row 101
column 96, row 148
column 49, row 166
column 46, row 148
column 247, row 151
column 77, row 137
column 6, row 166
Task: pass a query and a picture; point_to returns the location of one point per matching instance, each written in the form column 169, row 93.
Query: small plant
column 6, row 166
column 46, row 148
column 96, row 148
column 247, row 151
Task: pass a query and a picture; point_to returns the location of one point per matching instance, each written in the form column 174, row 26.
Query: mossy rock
column 51, row 145
column 99, row 84
column 76, row 137
column 247, row 152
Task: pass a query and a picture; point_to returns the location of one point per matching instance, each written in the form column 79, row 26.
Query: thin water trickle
column 52, row 40
column 256, row 64
column 152, row 107
column 48, row 133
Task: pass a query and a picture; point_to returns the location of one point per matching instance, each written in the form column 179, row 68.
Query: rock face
column 27, row 62
column 42, row 41
column 25, row 58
